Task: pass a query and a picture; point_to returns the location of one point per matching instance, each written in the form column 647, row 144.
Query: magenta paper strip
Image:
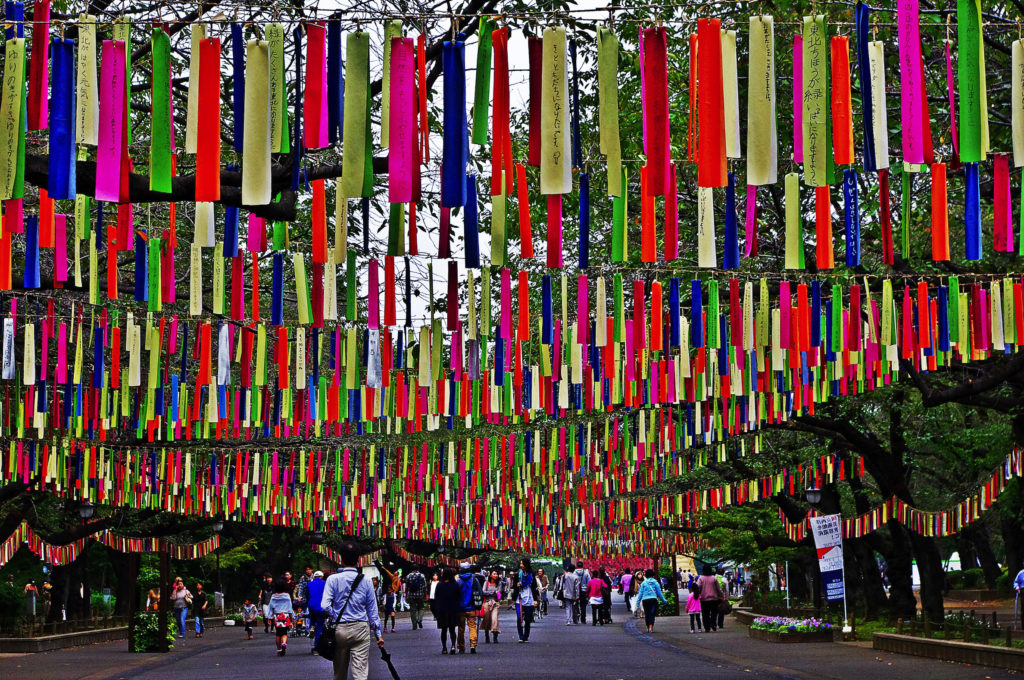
column 60, row 249
column 582, row 309
column 911, row 77
column 108, row 149
column 373, row 297
column 402, row 121
column 751, row 217
column 798, row 98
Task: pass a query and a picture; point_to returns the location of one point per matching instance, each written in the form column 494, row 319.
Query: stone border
column 49, row 643
column 790, row 638
column 950, row 650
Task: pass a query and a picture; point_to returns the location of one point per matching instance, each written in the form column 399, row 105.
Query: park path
column 555, row 651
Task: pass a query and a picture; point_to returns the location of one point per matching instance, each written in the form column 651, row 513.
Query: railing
column 963, row 626
column 38, row 626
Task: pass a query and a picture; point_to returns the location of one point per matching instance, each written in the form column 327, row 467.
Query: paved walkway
column 555, row 651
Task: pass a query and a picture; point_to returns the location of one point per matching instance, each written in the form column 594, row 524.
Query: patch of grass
column 865, row 629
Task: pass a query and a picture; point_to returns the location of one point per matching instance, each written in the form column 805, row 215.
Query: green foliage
column 11, row 606
column 966, row 579
column 1004, row 583
column 147, row 633
column 102, row 606
column 668, row 608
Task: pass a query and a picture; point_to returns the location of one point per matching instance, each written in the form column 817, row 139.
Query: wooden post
column 1009, row 638
column 899, row 626
column 133, row 598
column 165, row 599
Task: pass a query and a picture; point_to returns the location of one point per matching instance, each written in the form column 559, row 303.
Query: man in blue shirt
column 467, row 582
column 356, row 613
column 314, row 596
column 1018, row 582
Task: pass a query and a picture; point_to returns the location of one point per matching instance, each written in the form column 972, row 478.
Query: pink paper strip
column 108, row 150
column 60, row 250
column 582, row 310
column 911, row 80
column 373, row 297
column 506, row 303
column 402, row 121
column 751, row 218
column 256, row 240
column 798, row 98
column 62, row 353
column 785, row 305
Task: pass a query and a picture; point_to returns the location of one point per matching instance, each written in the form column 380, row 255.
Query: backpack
column 282, row 620
column 416, row 587
column 477, row 594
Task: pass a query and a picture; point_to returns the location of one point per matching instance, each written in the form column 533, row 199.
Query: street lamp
column 218, row 526
column 813, row 495
column 85, row 510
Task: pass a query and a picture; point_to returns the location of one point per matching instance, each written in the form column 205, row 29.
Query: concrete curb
column 950, row 650
column 49, row 643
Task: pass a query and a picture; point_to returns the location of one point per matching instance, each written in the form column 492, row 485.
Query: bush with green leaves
column 147, row 632
column 100, row 606
column 668, row 608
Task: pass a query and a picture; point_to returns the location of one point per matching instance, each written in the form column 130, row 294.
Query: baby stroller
column 301, row 624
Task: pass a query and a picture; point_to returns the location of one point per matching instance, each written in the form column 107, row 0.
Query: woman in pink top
column 594, row 588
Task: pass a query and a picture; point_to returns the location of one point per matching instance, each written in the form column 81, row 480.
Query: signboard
column 828, row 540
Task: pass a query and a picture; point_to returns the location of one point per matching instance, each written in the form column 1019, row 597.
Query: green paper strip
column 160, row 134
column 154, row 275
column 905, row 214
column 794, row 226
column 482, row 94
column 620, row 217
column 713, row 340
column 396, row 230
column 485, row 311
column 837, row 317
column 354, row 135
column 968, row 31
column 608, row 107
column 619, row 323
column 350, row 287
column 954, row 308
column 499, row 242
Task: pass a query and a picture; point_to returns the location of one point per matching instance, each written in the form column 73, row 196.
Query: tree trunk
column 870, row 579
column 982, row 541
column 121, row 563
column 898, row 571
column 929, row 568
column 1011, row 506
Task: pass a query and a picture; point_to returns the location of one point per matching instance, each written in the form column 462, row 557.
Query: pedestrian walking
column 266, row 592
column 472, row 600
column 624, row 584
column 595, row 599
column 390, row 585
column 543, row 582
column 492, row 605
column 447, row 608
column 710, row 593
column 249, row 615
column 650, row 595
column 634, row 602
column 281, row 613
column 181, row 599
column 558, row 589
column 350, row 603
column 416, row 596
column 693, row 609
column 581, row 603
column 606, row 596
column 314, row 603
column 200, row 601
column 570, row 594
column 525, row 599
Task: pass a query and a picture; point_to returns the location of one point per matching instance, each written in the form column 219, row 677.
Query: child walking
column 249, row 614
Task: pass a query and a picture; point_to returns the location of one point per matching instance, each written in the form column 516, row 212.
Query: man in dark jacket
column 468, row 583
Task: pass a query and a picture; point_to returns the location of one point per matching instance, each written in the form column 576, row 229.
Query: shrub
column 101, row 607
column 973, row 578
column 1004, row 583
column 147, row 632
column 668, row 608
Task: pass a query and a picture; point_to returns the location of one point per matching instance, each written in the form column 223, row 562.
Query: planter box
column 772, row 636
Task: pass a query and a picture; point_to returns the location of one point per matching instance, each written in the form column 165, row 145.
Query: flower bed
column 784, row 629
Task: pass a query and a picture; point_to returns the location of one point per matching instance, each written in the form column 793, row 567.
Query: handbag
column 724, row 606
column 327, row 645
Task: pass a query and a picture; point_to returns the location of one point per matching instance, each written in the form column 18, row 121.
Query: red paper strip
column 842, row 115
column 711, row 164
column 525, row 230
column 657, row 131
column 940, row 214
column 691, row 131
column 319, row 222
column 208, row 133
column 671, row 216
column 315, row 136
column 389, row 291
column 1002, row 211
column 648, row 238
column 888, row 256
column 823, row 227
column 421, row 92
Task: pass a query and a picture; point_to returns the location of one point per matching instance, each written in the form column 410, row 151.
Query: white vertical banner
column 828, row 541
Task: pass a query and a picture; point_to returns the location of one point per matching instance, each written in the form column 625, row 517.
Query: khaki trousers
column 353, row 650
column 468, row 619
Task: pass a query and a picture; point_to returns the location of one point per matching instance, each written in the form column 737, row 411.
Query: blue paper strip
column 61, row 179
column 731, row 257
column 862, row 21
column 972, row 212
column 696, row 314
column 851, row 217
column 277, row 294
column 455, row 149
column 584, row 220
column 472, row 225
column 238, row 83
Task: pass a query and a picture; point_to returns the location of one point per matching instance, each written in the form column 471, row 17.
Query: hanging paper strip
column 208, row 132
column 402, row 119
column 969, row 87
column 940, row 214
column 238, row 48
column 879, row 112
column 1017, row 102
column 482, row 87
column 862, row 17
column 455, row 151
column 706, row 256
column 314, row 101
column 815, row 102
column 608, row 106
column 798, row 98
column 730, row 85
column 972, row 211
column 161, row 138
column 711, row 170
column 39, row 67
column 256, row 142
column 357, row 77
column 279, row 141
column 112, row 110
column 194, row 94
column 731, row 258
column 555, row 151
column 911, row 80
column 1002, row 211
column 61, row 180
column 657, row 129
column 535, row 51
column 86, row 99
column 794, row 229
column 842, row 112
column 851, row 217
column 502, row 162
column 762, row 136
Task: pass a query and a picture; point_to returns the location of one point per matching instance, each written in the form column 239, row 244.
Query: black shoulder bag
column 327, row 645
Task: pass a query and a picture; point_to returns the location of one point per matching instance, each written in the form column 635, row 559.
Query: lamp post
column 813, row 495
column 85, row 511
